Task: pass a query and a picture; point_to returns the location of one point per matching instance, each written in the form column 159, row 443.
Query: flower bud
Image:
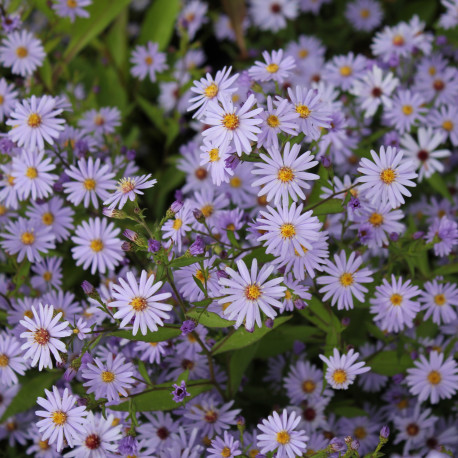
column 385, row 432
column 87, row 287
column 153, row 246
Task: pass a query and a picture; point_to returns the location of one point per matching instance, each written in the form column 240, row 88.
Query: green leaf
column 448, row 269
column 161, row 398
column 117, row 39
column 349, row 412
column 314, row 196
column 83, row 31
column 163, row 333
column 242, row 338
column 32, row 386
column 154, row 113
column 186, row 261
column 144, row 372
column 159, row 22
column 388, row 363
column 328, row 207
column 240, row 360
column 260, row 254
column 438, row 184
column 209, row 319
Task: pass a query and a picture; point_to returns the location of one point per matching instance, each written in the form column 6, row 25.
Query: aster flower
column 343, row 369
column 373, row 89
column 27, row 238
column 138, row 301
column 147, row 61
column 48, row 273
column 284, row 176
column 43, row 334
column 100, row 438
column 63, row 302
column 214, row 158
column 434, row 378
column 8, row 98
column 233, row 125
column 279, row 433
column 22, row 52
column 313, row 113
column 446, row 230
column 364, row 15
column 275, row 68
column 127, row 189
column 110, row 380
column 209, row 89
column 53, row 214
column 175, row 229
column 343, row 70
column 179, row 392
column 35, row 121
column 444, row 119
column 227, row 447
column 71, row 8
column 158, row 431
column 32, row 177
column 81, row 328
column 249, row 293
column 11, row 360
column 8, row 192
column 287, row 230
column 90, row 181
column 439, row 300
column 61, row 419
column 449, row 19
column 424, row 153
column 305, row 50
column 344, row 280
column 272, row 15
column 312, row 6
column 103, row 121
column 97, row 245
column 385, row 179
column 394, row 305
column 184, row 445
column 276, row 120
column 440, row 87
column 209, row 416
column 192, row 16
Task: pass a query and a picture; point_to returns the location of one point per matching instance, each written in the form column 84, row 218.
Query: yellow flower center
column 288, row 295
column 252, row 292
column 231, row 121
column 4, row 360
column 99, row 120
column 213, row 155
column 396, row 299
column 226, row 452
column 253, row 453
column 177, row 224
column 272, row 68
column 149, row 60
column 47, row 218
column 10, row 180
column 235, row 98
column 388, row 176
column 107, row 376
column 72, row 3
column 200, row 276
column 126, row 185
column 34, row 120
column 287, row 231
column 432, row 70
column 303, row 53
column 376, row 219
column 434, row 377
column 89, row 184
column 364, row 13
column 360, row 432
column 346, row 279
column 308, row 386
column 96, row 245
column 285, row 174
column 59, row 418
column 447, row 125
column 346, row 70
column 339, row 376
column 211, row 91
column 407, row 109
column 273, row 121
column 139, row 303
column 47, row 276
column 28, row 314
column 283, row 437
column 44, row 445
column 230, row 227
column 22, row 52
column 303, row 111
column 439, row 299
column 398, row 40
column 3, row 210
column 27, row 238
column 207, row 210
column 235, row 182
column 1, row 99
column 31, row 172
column 41, row 336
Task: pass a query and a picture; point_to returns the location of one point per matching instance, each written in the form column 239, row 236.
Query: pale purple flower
column 179, row 392
column 274, row 68
column 446, row 230
column 8, row 98
column 71, row 9
column 147, row 61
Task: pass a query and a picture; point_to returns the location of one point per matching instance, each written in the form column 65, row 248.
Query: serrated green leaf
column 159, row 22
column 209, row 319
column 161, row 398
column 242, row 338
column 32, row 386
column 163, row 333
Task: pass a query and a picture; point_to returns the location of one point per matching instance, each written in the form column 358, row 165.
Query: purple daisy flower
column 227, row 447
column 8, row 98
column 147, row 61
column 71, row 9
column 439, row 301
column 446, row 230
column 103, row 121
column 364, row 15
column 275, row 68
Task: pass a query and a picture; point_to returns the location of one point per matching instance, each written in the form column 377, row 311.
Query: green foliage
column 168, row 331
column 209, row 319
column 389, row 362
